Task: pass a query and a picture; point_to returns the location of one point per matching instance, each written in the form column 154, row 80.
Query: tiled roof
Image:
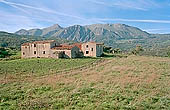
column 96, row 43
column 63, row 47
column 79, row 45
column 25, row 44
column 45, row 41
column 38, row 42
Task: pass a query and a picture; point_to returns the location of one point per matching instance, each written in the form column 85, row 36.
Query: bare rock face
column 99, row 32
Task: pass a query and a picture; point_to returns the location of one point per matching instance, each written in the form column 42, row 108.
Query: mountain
column 46, row 32
column 119, row 31
column 76, row 33
column 89, row 32
column 115, row 35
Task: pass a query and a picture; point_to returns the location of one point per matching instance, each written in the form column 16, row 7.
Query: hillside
column 133, row 83
column 15, row 41
column 115, row 35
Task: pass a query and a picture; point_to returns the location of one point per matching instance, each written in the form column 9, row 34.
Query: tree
column 117, row 50
column 4, row 44
column 3, row 53
column 107, row 49
column 137, row 50
column 168, row 51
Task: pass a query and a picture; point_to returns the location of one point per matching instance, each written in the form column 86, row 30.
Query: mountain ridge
column 117, row 30
column 115, row 35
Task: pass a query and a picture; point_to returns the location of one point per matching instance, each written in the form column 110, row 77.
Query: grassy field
column 41, row 66
column 132, row 83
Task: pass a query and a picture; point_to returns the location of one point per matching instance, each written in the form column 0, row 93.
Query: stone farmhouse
column 51, row 49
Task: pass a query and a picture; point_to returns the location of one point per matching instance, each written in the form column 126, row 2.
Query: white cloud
column 160, row 30
column 121, row 4
column 17, row 22
column 17, row 5
column 136, row 20
column 37, row 17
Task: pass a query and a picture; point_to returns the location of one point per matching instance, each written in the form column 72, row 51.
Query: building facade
column 37, row 49
column 51, row 49
column 92, row 49
column 66, row 51
column 48, row 49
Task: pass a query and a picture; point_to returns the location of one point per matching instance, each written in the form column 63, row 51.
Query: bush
column 3, row 53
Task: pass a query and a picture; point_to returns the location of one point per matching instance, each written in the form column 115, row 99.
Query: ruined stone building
column 37, row 49
column 51, row 49
column 92, row 49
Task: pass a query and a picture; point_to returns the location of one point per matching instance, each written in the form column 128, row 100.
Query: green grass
column 41, row 66
column 133, row 83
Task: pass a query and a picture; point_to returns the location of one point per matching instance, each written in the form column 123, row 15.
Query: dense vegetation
column 8, row 53
column 133, row 83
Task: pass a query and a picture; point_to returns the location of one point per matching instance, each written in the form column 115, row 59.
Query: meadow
column 41, row 66
column 132, row 83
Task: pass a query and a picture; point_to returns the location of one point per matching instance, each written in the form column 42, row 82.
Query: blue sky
column 149, row 15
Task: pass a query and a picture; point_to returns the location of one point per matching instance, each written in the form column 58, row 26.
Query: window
column 35, row 52
column 43, row 52
column 34, row 45
column 91, row 49
column 23, row 53
column 87, row 52
column 87, row 46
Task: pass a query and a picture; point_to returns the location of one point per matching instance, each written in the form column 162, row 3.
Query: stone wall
column 99, row 50
column 70, row 53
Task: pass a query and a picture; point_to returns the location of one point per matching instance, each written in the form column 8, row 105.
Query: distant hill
column 115, row 35
column 46, row 32
column 15, row 41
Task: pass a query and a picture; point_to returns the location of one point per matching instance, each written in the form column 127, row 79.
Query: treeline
column 7, row 52
column 141, row 51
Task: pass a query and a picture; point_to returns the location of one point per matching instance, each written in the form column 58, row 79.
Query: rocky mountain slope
column 89, row 32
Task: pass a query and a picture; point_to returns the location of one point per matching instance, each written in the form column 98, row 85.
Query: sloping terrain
column 15, row 41
column 135, row 83
column 75, row 33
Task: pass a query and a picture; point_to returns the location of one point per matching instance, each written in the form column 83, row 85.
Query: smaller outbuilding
column 65, row 51
column 92, row 49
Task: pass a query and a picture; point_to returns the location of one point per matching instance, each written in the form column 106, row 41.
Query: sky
column 149, row 15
